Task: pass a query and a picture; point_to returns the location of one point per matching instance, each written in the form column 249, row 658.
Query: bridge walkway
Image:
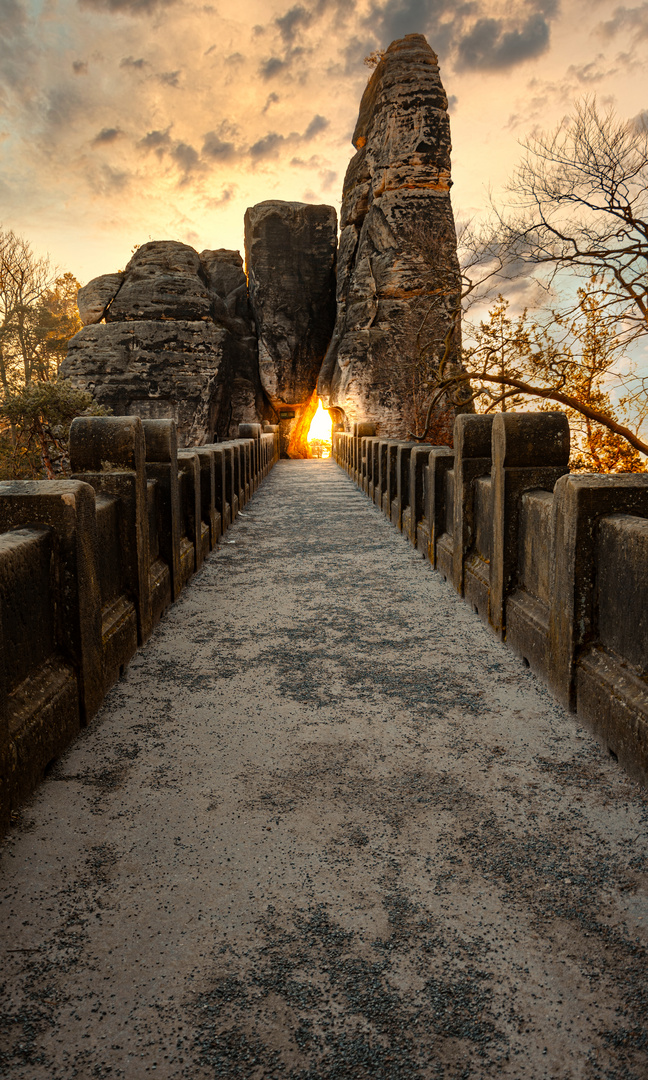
column 326, row 827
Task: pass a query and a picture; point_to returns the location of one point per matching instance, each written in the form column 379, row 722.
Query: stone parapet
column 88, row 566
column 554, row 563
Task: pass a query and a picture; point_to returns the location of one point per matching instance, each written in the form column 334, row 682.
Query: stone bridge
column 326, row 824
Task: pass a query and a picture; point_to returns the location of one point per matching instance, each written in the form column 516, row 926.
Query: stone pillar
column 162, row 467
column 530, row 450
column 7, row 748
column 580, row 501
column 401, row 501
column 418, row 463
column 68, row 508
column 253, row 431
column 190, row 504
column 222, row 481
column 210, row 514
column 472, row 444
column 109, row 452
column 439, row 463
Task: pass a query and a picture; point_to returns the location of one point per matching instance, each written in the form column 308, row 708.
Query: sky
column 123, row 121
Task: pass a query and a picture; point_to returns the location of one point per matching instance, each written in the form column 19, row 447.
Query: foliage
column 374, row 58
column 38, row 316
column 37, row 313
column 578, row 366
column 34, row 427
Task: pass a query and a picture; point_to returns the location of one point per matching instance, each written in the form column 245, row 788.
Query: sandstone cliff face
column 290, row 251
column 398, row 276
column 178, row 341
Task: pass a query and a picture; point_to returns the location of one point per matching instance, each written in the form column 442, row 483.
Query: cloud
column 131, row 62
column 186, row 157
column 270, row 145
column 216, row 148
column 289, row 23
column 589, row 73
column 126, row 7
column 328, row 178
column 640, row 122
column 267, row 147
column 80, row 67
column 489, row 45
column 399, row 17
column 466, row 32
column 634, row 19
column 12, row 16
column 317, row 124
column 271, row 67
column 156, row 140
column 272, row 100
column 226, row 195
column 107, row 136
column 169, row 78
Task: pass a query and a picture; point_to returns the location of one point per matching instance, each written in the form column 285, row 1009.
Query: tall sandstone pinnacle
column 398, row 276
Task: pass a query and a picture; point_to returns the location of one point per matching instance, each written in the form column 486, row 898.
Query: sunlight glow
column 320, row 437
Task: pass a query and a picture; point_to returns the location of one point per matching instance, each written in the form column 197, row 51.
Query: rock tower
column 398, row 275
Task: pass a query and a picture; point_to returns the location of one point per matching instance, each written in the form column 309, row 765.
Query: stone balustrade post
column 253, row 431
column 401, row 500
column 530, row 450
column 362, row 431
column 190, row 504
column 209, row 511
column 109, row 453
column 67, row 507
column 8, row 760
column 472, row 458
column 580, row 501
column 418, row 462
column 440, row 462
column 162, row 467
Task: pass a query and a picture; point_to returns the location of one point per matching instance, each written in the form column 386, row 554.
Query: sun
column 320, row 433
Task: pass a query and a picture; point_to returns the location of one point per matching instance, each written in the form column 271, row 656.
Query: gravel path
column 326, row 827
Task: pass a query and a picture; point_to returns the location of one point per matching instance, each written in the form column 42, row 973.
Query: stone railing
column 88, row 566
column 556, row 564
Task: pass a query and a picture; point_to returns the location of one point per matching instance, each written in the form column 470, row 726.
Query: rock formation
column 398, row 276
column 178, row 341
column 290, row 251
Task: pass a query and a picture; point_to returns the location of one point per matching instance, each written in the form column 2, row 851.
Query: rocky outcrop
column 163, row 280
column 398, row 276
column 93, row 299
column 178, row 341
column 290, row 251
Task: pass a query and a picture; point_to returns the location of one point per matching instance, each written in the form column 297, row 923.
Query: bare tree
column 580, row 203
column 579, row 207
column 25, row 281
